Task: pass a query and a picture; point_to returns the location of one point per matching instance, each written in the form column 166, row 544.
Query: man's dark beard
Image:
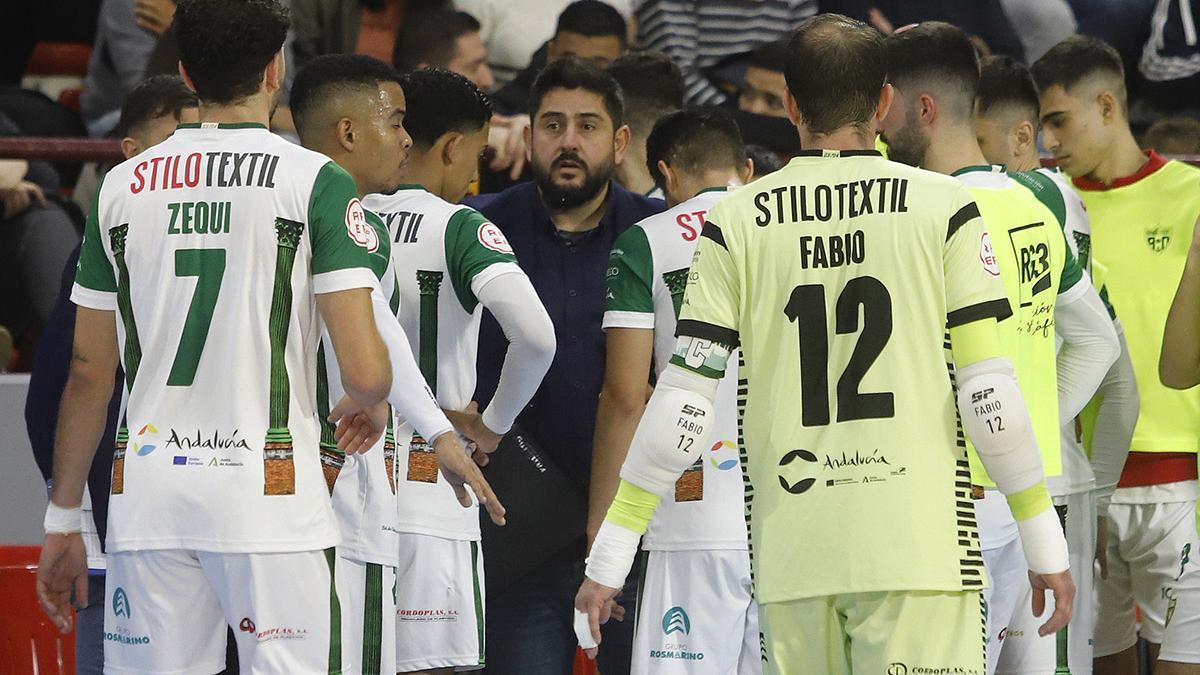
column 907, row 146
column 561, row 197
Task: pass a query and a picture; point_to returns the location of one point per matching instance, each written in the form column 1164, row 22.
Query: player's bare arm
column 63, row 562
column 622, row 400
column 1179, row 363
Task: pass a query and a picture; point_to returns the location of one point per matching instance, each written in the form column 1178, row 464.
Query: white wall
column 22, row 492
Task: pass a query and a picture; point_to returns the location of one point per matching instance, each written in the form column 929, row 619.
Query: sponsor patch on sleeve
column 492, row 238
column 358, row 228
column 988, row 256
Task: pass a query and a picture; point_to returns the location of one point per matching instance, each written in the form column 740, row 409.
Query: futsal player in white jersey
column 450, row 265
column 696, row 611
column 205, row 262
column 351, row 108
column 1006, row 122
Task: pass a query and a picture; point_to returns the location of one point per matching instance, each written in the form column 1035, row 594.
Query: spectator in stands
column 117, row 65
column 652, row 87
column 1171, row 58
column 154, row 15
column 984, row 20
column 443, row 38
column 37, row 234
column 764, row 89
column 349, row 27
column 514, row 29
column 699, row 34
column 561, row 227
column 148, row 117
column 588, row 29
column 1174, row 136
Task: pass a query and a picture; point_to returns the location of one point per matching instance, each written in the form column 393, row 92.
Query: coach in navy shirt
column 561, row 227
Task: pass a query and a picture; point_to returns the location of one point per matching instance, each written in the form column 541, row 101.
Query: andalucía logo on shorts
column 676, row 621
column 120, row 603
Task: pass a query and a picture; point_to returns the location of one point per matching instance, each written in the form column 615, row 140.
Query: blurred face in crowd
column 1078, row 124
column 903, row 129
column 601, row 50
column 470, row 61
column 157, row 130
column 573, row 147
column 763, row 92
column 372, row 131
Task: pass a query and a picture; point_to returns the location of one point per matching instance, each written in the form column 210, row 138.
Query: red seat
column 59, row 58
column 29, row 643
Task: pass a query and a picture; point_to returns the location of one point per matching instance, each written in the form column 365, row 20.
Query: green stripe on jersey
column 429, row 285
column 133, row 348
column 466, row 255
column 94, row 270
column 479, row 617
column 372, row 655
column 335, row 615
column 631, row 274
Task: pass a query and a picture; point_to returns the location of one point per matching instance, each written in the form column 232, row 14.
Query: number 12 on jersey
column 807, row 308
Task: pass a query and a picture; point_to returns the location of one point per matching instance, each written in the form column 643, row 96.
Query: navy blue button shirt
column 569, row 276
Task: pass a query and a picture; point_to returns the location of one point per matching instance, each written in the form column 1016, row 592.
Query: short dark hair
column 573, row 72
column 835, row 71
column 593, row 19
column 225, row 44
column 1076, row 58
column 155, row 97
column 1006, row 82
column 765, row 160
column 694, row 140
column 326, row 75
column 936, row 52
column 770, row 56
column 1174, row 136
column 651, row 85
column 429, row 36
column 441, row 101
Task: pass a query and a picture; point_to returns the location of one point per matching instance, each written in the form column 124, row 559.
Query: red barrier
column 61, row 149
column 29, row 643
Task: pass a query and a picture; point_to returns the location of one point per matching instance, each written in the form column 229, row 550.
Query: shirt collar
column 1154, row 162
column 222, row 125
column 979, row 168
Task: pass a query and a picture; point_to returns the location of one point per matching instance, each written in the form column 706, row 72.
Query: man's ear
column 670, row 178
column 887, row 96
column 343, row 129
column 746, row 173
column 927, row 109
column 1024, row 136
column 130, row 147
column 450, row 142
column 793, row 110
column 1109, row 108
column 620, row 143
column 184, row 74
column 274, row 73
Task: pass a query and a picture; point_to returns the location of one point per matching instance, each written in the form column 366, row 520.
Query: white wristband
column 612, row 555
column 62, row 521
column 1044, row 543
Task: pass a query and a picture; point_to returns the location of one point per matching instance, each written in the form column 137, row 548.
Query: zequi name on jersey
column 218, row 169
column 808, row 203
column 199, row 217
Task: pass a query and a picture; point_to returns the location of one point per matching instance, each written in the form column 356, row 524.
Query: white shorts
column 1153, row 561
column 368, row 595
column 166, row 612
column 696, row 614
column 1008, row 581
column 439, row 604
column 1022, row 650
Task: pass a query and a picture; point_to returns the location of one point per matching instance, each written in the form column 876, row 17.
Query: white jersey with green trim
column 364, row 484
column 646, row 278
column 443, row 254
column 1054, row 189
column 210, row 247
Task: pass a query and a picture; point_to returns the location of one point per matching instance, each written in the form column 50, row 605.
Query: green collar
column 724, row 188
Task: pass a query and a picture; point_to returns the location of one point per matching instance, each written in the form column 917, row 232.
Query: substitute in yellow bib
column 935, row 71
column 1142, row 210
column 837, row 276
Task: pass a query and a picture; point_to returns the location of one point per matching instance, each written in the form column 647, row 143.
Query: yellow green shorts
column 897, row 633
